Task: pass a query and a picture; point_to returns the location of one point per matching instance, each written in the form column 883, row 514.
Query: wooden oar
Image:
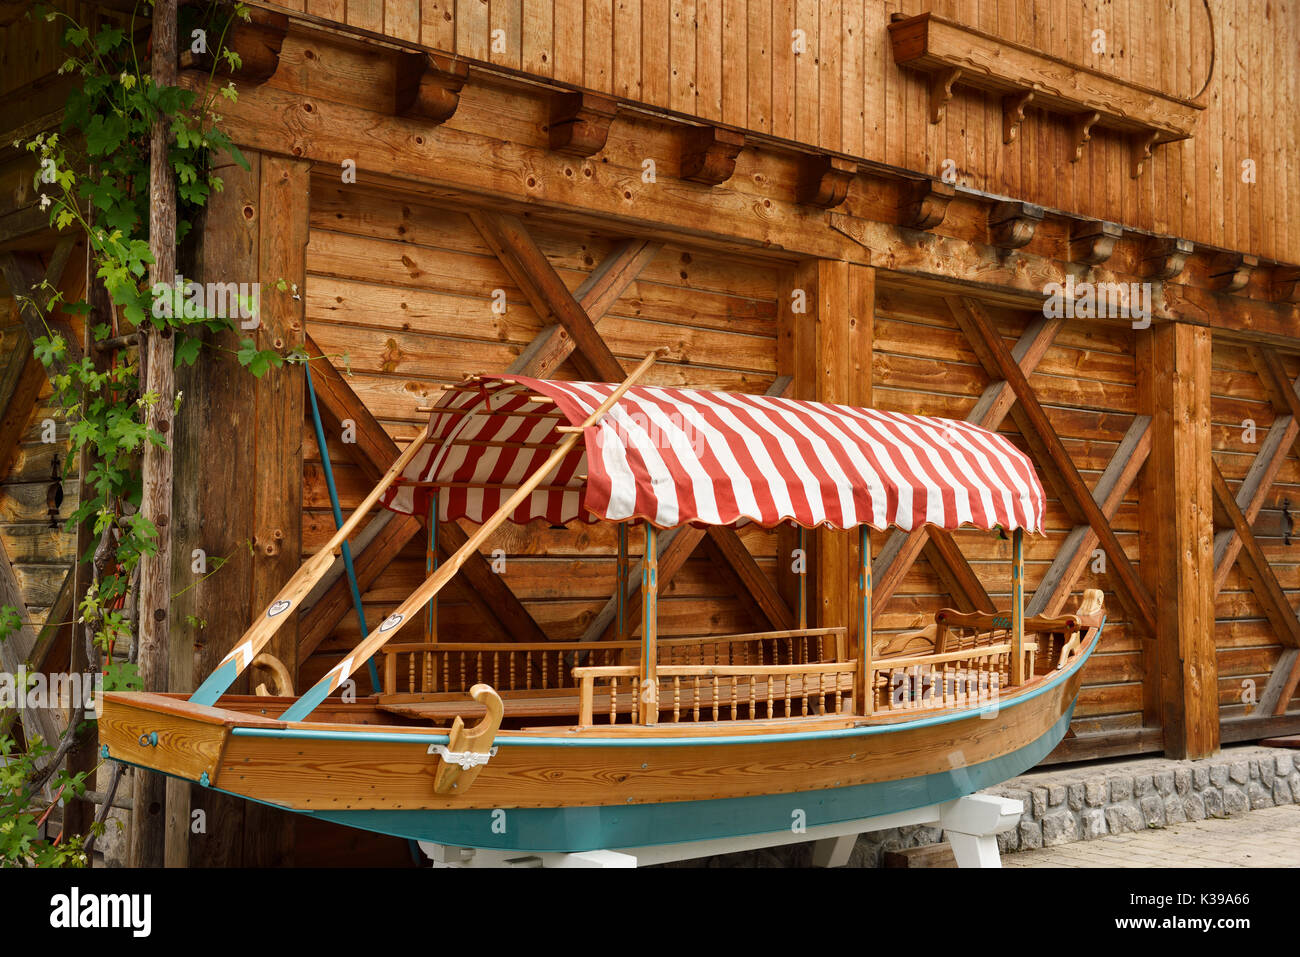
column 447, row 570
column 302, row 582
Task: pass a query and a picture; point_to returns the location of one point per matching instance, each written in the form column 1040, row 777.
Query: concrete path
column 1269, row 837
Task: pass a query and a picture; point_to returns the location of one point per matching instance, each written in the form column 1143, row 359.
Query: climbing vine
column 93, row 179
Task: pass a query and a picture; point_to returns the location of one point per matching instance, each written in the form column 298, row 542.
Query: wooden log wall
column 732, row 62
column 1250, row 647
column 1086, row 382
column 405, row 290
column 41, row 555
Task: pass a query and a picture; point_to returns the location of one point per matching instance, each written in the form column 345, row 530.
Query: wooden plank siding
column 405, row 292
column 1246, row 644
column 1086, row 383
column 733, row 61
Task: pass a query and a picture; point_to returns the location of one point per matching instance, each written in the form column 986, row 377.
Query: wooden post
column 1018, row 607
column 148, row 815
column 826, row 328
column 865, row 649
column 431, row 566
column 1173, row 363
column 803, row 578
column 650, row 628
column 623, row 573
column 214, row 496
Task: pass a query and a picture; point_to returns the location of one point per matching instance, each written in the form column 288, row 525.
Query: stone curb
column 1084, row 803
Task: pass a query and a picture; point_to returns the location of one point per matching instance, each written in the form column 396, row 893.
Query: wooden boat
column 638, row 741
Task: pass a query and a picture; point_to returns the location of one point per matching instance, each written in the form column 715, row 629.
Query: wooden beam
column 676, row 545
column 902, row 548
column 1281, row 684
column 16, row 651
column 548, row 350
column 530, row 268
column 1038, row 431
column 20, row 386
column 958, row 578
column 213, row 506
column 1282, row 437
column 158, row 377
column 373, row 451
column 1121, row 472
column 1263, row 581
column 1174, row 373
column 30, row 283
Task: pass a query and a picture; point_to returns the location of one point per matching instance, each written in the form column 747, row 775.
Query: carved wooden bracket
column 1013, row 114
column 1012, row 224
column 709, row 154
column 1284, row 284
column 825, row 181
column 427, row 86
column 1165, row 256
column 580, row 122
column 1142, row 144
column 925, row 203
column 1082, row 127
column 1229, row 272
column 257, row 41
column 941, row 92
column 1092, row 241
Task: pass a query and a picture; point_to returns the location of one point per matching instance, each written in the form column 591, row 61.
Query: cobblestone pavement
column 1269, row 837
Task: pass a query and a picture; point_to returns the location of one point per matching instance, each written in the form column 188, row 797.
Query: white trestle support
column 971, row 824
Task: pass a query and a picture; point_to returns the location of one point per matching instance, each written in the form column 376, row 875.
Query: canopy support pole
column 803, row 578
column 391, row 625
column 865, row 649
column 1018, row 607
column 650, row 628
column 431, row 566
column 623, row 575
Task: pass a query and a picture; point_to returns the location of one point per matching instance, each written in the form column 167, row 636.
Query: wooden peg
column 452, row 777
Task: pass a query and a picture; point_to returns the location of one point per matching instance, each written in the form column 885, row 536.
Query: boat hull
column 570, row 829
column 566, row 790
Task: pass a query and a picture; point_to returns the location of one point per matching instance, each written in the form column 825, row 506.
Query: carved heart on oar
column 278, row 607
column 391, row 622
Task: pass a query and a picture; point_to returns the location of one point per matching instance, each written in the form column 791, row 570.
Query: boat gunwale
column 396, row 734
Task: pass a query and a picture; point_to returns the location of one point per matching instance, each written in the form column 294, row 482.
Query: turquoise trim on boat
column 309, row 702
column 215, row 686
column 642, row 825
column 586, row 741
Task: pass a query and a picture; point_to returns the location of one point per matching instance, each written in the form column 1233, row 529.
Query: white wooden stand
column 971, row 824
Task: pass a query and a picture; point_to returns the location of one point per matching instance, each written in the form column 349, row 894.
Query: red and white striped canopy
column 674, row 456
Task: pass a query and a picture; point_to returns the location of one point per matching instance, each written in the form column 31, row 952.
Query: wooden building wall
column 398, row 283
column 731, row 61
